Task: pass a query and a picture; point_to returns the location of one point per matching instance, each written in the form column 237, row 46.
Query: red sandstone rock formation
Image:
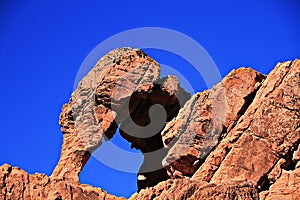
column 238, row 140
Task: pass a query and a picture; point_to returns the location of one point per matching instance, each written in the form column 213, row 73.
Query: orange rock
column 238, row 140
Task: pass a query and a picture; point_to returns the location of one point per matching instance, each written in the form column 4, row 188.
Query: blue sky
column 43, row 44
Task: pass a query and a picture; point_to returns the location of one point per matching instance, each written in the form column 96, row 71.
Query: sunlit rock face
column 237, row 140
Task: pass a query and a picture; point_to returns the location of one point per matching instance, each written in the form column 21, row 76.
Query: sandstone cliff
column 238, row 140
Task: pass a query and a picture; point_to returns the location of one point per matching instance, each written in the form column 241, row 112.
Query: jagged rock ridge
column 238, row 140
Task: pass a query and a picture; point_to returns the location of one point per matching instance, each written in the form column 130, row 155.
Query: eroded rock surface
column 88, row 117
column 18, row 184
column 238, row 140
column 267, row 131
column 206, row 118
column 186, row 188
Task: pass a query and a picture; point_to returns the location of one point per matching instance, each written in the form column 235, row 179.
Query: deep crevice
column 264, row 183
column 290, row 165
column 248, row 101
column 221, row 137
column 71, row 192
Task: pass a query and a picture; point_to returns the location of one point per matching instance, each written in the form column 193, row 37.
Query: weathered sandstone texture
column 238, row 140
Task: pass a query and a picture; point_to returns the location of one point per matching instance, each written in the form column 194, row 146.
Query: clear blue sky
column 43, row 44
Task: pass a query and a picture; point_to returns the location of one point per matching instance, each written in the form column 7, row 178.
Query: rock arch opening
column 149, row 141
column 113, row 167
column 123, row 89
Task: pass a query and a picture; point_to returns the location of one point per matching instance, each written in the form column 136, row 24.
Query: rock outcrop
column 18, row 184
column 206, row 118
column 238, row 140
